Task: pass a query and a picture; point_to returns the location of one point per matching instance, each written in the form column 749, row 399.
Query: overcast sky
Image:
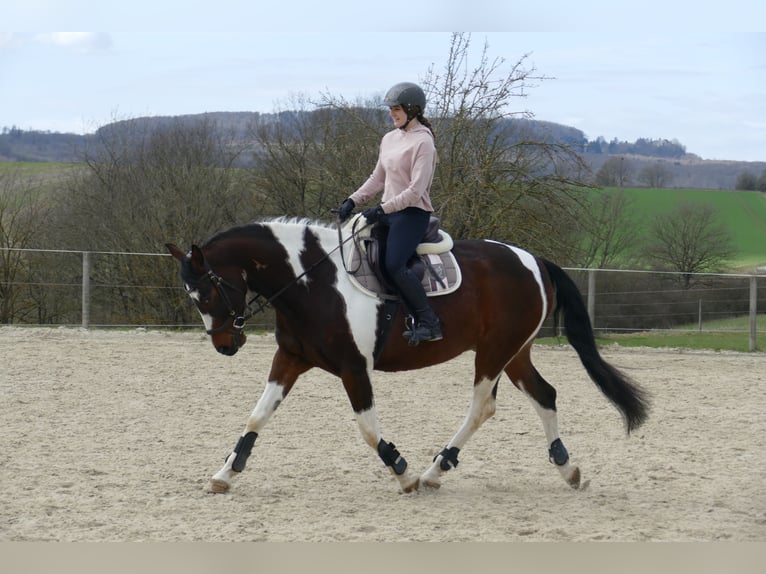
column 653, row 70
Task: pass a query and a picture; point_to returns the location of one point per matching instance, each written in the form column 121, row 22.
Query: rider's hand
column 344, row 212
column 373, row 214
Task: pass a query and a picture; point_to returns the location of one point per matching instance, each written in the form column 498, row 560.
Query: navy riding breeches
column 406, row 229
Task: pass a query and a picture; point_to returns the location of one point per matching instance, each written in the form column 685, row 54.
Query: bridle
column 238, row 320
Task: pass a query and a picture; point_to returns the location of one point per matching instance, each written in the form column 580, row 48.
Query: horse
column 323, row 321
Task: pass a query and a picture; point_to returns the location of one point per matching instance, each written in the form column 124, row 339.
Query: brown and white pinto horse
column 323, row 321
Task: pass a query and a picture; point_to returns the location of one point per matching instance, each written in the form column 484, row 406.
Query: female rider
column 404, row 172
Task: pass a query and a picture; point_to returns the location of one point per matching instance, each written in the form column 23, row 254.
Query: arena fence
column 126, row 289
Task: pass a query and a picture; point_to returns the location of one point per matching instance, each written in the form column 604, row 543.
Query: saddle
column 433, row 262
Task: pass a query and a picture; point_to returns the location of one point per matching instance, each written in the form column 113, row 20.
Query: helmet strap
column 410, row 117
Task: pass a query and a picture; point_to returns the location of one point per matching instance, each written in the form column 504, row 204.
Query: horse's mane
column 301, row 221
column 259, row 227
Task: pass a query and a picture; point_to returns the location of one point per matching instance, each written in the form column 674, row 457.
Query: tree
column 746, row 181
column 495, row 178
column 690, row 240
column 761, row 185
column 656, row 175
column 312, row 158
column 145, row 186
column 615, row 172
column 611, row 236
column 21, row 211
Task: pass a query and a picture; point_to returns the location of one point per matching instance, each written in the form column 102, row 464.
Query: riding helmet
column 405, row 94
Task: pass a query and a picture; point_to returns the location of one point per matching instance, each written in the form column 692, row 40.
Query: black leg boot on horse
column 427, row 326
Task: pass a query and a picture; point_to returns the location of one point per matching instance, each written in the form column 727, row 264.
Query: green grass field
column 731, row 334
column 44, row 174
column 742, row 212
column 31, row 168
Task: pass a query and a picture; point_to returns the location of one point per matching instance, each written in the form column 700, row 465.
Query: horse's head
column 220, row 299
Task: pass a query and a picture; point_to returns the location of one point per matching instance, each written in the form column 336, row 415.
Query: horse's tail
column 624, row 393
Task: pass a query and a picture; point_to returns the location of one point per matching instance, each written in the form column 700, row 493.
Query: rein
column 238, row 321
column 355, row 236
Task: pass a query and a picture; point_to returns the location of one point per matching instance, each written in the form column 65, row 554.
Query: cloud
column 78, row 41
column 9, row 39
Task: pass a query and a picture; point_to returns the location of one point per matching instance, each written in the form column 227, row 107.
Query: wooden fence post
column 753, row 311
column 85, row 289
column 592, row 296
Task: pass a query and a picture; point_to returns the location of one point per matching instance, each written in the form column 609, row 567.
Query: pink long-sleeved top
column 404, row 171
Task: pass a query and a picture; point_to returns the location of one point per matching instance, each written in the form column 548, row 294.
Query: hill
column 687, row 169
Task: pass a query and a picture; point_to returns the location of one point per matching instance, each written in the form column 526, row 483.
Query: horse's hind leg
column 543, row 398
column 285, row 369
column 481, row 408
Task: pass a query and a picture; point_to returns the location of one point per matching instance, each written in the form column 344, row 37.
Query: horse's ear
column 175, row 251
column 197, row 260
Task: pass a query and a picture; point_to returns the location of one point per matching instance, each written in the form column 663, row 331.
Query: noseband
column 237, row 320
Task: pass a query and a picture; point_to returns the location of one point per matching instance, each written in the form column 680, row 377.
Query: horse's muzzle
column 230, row 347
column 228, row 351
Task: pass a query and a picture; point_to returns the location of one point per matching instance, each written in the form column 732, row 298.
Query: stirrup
column 409, row 325
column 423, row 333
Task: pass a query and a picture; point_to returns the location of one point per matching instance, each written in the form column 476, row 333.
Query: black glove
column 344, row 212
column 373, row 214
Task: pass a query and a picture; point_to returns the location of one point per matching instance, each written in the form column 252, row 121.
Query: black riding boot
column 427, row 326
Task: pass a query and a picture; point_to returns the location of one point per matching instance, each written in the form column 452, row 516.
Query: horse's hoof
column 412, row 487
column 431, row 484
column 574, row 479
column 218, row 486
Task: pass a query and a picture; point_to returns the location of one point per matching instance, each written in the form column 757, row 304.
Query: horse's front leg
column 285, row 369
column 359, row 390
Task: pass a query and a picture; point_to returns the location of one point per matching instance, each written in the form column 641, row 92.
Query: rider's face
column 398, row 115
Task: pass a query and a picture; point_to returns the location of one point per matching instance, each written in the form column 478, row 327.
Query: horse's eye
column 203, row 297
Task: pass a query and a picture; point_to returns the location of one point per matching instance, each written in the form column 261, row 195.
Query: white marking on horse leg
column 550, row 419
column 547, row 416
column 369, row 426
column 481, row 408
column 273, row 394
